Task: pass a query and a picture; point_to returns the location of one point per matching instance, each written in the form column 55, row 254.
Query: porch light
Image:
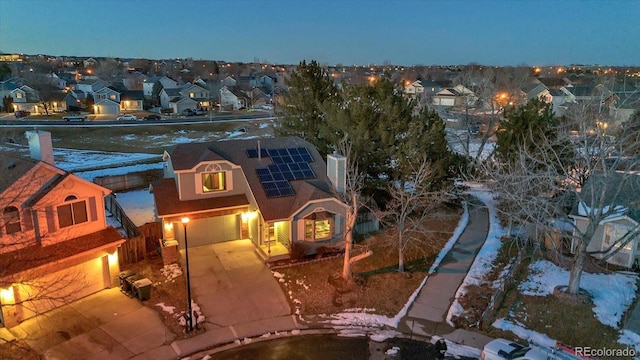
column 185, row 220
column 6, row 296
column 113, row 258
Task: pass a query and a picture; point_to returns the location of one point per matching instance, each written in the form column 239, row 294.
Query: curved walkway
column 427, row 315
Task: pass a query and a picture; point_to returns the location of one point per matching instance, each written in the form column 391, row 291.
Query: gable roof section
column 132, row 95
column 620, row 189
column 186, row 156
column 168, row 201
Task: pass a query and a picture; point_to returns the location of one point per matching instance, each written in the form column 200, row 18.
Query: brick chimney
column 40, row 146
column 337, row 171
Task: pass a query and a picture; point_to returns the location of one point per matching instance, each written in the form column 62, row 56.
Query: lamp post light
column 185, row 221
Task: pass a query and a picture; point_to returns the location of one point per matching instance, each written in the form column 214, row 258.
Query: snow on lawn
column 612, row 294
column 487, row 254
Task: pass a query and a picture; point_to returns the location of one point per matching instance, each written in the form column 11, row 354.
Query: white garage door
column 213, row 230
column 61, row 287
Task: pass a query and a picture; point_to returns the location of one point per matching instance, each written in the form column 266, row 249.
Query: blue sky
column 403, row 32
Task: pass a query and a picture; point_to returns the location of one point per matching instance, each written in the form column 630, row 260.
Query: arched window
column 11, row 216
column 72, row 213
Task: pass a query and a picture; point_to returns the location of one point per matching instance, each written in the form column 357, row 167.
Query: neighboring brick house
column 272, row 191
column 55, row 245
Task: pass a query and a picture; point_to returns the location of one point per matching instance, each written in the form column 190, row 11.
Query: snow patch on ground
column 612, row 294
column 486, row 255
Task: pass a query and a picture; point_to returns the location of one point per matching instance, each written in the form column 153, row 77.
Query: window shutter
column 228, row 180
column 51, row 219
column 27, row 219
column 92, row 209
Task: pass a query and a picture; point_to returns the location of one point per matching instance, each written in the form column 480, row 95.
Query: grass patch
column 318, row 288
column 144, row 138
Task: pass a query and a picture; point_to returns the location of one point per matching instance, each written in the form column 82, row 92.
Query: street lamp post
column 185, row 220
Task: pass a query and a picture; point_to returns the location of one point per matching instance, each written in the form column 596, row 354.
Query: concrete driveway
column 232, row 285
column 235, row 291
column 105, row 325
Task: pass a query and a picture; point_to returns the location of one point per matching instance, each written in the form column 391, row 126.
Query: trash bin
column 130, row 280
column 123, row 276
column 142, row 289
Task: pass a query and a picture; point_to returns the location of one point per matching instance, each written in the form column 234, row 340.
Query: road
column 11, row 121
column 320, row 347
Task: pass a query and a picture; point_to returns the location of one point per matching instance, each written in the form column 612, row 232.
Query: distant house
column 621, row 201
column 91, row 85
column 56, row 102
column 229, row 82
column 196, row 93
column 273, row 191
column 132, row 100
column 106, row 107
column 230, row 99
column 106, row 93
column 414, row 89
column 167, row 83
column 55, row 245
column 25, row 98
column 76, row 99
column 454, row 97
column 536, row 90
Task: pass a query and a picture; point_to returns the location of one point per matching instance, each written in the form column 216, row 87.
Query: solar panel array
column 288, row 164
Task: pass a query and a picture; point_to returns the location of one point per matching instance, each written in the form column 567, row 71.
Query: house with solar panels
column 275, row 192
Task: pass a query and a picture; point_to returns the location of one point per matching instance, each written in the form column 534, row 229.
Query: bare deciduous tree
column 352, row 196
column 410, row 203
column 571, row 184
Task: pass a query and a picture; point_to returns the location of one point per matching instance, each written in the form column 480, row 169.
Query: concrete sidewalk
column 427, row 315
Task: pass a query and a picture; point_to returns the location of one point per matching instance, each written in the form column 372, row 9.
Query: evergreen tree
column 89, row 103
column 525, row 128
column 310, row 87
column 155, row 92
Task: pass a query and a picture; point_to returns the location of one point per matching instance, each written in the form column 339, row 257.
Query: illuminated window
column 73, row 213
column 213, row 181
column 12, row 219
column 19, row 95
column 113, row 97
column 318, row 226
column 192, row 95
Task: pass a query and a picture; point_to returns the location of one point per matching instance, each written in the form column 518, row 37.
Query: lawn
column 317, row 287
column 142, row 138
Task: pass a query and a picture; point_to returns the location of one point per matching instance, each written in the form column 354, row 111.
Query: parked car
column 21, row 113
column 502, row 349
column 74, row 117
column 127, row 118
column 152, row 117
column 188, row 112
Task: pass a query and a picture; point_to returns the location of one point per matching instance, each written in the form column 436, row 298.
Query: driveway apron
column 232, row 286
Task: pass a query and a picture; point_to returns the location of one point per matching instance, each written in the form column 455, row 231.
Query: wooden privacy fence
column 366, row 223
column 134, row 249
column 133, row 180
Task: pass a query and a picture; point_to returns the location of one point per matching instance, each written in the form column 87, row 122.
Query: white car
column 502, row 349
column 127, row 118
column 74, row 118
